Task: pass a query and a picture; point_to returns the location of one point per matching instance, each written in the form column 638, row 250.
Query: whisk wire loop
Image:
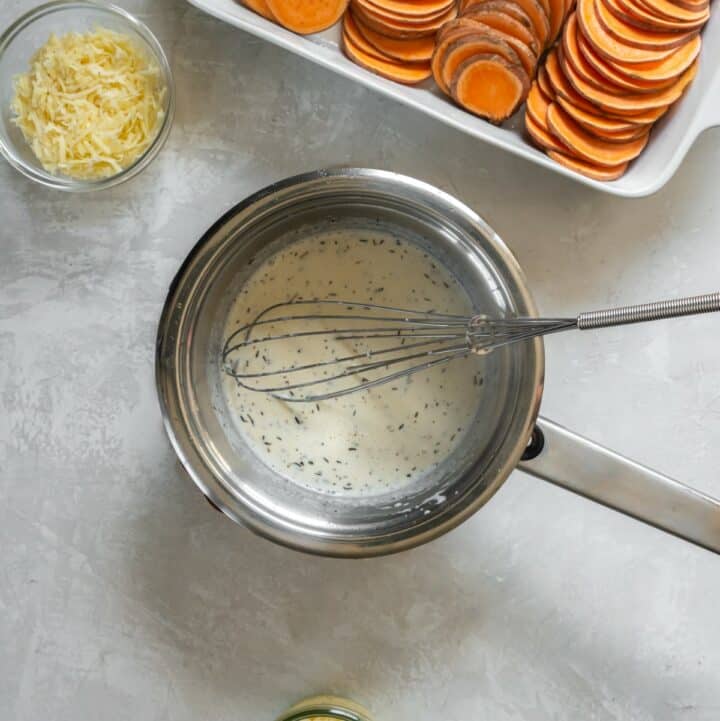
column 416, row 341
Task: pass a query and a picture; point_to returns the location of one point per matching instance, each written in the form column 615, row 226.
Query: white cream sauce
column 376, row 440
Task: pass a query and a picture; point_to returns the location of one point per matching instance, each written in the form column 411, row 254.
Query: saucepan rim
column 258, row 519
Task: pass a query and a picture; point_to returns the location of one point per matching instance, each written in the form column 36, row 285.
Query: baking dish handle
column 559, row 456
column 709, row 115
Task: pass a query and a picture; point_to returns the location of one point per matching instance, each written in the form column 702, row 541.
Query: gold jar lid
column 326, row 708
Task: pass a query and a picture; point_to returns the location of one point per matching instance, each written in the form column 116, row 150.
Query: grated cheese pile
column 90, row 105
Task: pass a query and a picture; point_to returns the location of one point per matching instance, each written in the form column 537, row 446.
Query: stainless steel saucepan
column 506, row 434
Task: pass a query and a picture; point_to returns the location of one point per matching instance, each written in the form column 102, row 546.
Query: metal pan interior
column 189, row 374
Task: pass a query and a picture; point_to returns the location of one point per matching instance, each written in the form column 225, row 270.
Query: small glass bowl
column 30, row 32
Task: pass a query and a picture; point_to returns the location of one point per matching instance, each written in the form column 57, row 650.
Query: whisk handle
column 625, row 315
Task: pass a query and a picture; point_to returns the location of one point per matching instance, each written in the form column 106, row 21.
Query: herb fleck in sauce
column 373, row 441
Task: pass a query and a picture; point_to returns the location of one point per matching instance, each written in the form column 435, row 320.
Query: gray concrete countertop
column 123, row 595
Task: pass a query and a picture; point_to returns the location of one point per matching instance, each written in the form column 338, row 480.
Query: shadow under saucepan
column 245, row 618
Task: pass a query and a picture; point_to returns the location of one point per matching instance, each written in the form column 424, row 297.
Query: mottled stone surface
column 123, row 595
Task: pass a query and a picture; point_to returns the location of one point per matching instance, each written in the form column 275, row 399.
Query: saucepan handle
column 559, row 456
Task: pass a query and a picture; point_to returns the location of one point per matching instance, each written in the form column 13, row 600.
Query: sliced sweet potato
column 544, row 83
column 692, row 4
column 624, row 136
column 587, row 146
column 460, row 27
column 542, row 137
column 454, row 25
column 592, row 68
column 260, row 7
column 452, row 32
column 596, row 123
column 610, row 80
column 509, row 7
column 506, row 24
column 412, row 50
column 640, row 17
column 570, row 54
column 385, row 16
column 490, row 87
column 557, row 17
column 563, row 88
column 546, row 7
column 357, row 39
column 579, row 51
column 537, row 104
column 395, row 29
column 531, row 9
column 527, row 55
column 590, row 170
column 635, row 37
column 671, row 11
column 460, row 50
column 606, row 45
column 306, row 18
column 667, row 69
column 528, row 58
column 445, row 39
column 458, row 23
column 420, row 9
column 540, row 18
column 406, row 73
column 641, row 117
column 636, row 102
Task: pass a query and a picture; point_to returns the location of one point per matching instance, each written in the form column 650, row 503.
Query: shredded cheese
column 90, row 104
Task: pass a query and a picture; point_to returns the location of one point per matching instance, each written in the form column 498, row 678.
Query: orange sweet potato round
column 537, row 104
column 410, row 50
column 414, row 7
column 587, row 146
column 400, row 29
column 528, row 57
column 558, row 12
column 597, row 71
column 382, row 13
column 606, row 45
column 305, row 17
column 490, row 87
column 641, row 17
column 635, row 37
column 470, row 46
column 544, row 83
column 530, row 9
column 562, row 87
column 612, row 102
column 506, row 24
column 597, row 123
column 408, row 74
column 672, row 11
column 575, row 46
column 358, row 40
column 590, row 170
column 542, row 137
column 667, row 69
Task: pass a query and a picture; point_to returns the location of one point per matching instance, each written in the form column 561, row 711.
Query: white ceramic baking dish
column 670, row 141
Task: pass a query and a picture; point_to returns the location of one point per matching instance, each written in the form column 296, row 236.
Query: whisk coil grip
column 649, row 311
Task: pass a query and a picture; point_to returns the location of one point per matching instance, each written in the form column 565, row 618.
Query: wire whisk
column 314, row 350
